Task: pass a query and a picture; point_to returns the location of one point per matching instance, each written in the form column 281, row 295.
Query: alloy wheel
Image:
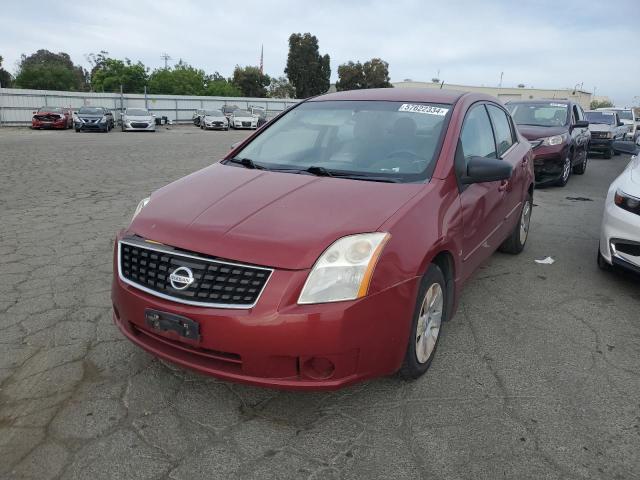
column 429, row 321
column 566, row 169
column 525, row 220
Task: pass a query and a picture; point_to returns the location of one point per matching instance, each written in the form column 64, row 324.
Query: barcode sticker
column 425, row 109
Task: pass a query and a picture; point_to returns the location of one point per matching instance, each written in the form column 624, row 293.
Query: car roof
column 543, row 100
column 427, row 95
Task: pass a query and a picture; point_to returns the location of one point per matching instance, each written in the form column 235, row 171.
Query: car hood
column 244, row 119
column 600, row 127
column 531, row 132
column 211, row 118
column 275, row 219
column 139, row 118
column 90, row 115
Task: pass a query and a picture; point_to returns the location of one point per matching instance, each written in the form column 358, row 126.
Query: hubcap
column 566, row 169
column 525, row 219
column 429, row 321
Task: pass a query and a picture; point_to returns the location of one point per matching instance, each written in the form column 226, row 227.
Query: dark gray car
column 97, row 119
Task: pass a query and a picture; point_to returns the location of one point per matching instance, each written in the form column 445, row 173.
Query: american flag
column 261, row 57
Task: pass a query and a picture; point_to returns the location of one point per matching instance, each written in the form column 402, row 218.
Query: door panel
column 482, row 203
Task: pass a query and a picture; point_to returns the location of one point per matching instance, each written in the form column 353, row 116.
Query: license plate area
column 164, row 322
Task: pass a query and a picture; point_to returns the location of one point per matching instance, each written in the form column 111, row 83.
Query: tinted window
column 369, row 138
column 476, row 137
column 607, row 118
column 92, row 110
column 502, row 129
column 137, row 112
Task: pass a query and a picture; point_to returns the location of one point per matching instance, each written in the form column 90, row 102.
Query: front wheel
column 430, row 311
column 515, row 242
column 566, row 171
column 608, row 153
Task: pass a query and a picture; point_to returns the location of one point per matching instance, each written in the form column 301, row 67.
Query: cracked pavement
column 536, row 377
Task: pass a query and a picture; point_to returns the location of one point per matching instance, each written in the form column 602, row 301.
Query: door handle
column 504, row 184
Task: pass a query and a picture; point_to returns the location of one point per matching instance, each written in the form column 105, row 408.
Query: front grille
column 246, row 124
column 599, row 134
column 216, row 282
column 139, row 125
column 217, row 124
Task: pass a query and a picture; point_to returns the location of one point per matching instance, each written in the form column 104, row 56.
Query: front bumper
column 620, row 236
column 132, row 127
column 278, row 343
column 87, row 126
column 216, row 127
column 60, row 124
column 250, row 127
column 600, row 144
column 548, row 162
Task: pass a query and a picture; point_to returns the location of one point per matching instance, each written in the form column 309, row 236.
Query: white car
column 629, row 118
column 620, row 234
column 214, row 120
column 243, row 119
column 138, row 119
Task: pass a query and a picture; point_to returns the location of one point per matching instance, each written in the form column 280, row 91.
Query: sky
column 540, row 43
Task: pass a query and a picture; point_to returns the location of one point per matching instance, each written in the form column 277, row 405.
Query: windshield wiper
column 247, row 163
column 319, row 171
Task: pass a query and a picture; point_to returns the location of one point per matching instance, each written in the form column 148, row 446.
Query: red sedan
column 52, row 117
column 331, row 245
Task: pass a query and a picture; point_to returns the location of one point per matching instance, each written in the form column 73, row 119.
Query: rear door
column 482, row 203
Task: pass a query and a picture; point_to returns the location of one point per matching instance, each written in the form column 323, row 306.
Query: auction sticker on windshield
column 427, row 109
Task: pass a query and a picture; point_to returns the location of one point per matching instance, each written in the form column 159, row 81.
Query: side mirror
column 620, row 124
column 235, row 145
column 581, row 124
column 482, row 169
column 626, row 147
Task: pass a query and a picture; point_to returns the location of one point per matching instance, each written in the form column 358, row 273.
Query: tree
column 376, row 73
column 281, row 88
column 307, row 70
column 250, row 81
column 600, row 104
column 108, row 74
column 350, row 77
column 5, row 77
column 222, row 88
column 371, row 74
column 45, row 70
column 182, row 79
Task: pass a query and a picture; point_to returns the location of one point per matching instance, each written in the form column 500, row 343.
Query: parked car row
column 235, row 117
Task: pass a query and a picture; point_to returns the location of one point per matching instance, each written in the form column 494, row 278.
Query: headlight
column 344, row 270
column 627, row 202
column 76, row 119
column 103, row 119
column 141, row 205
column 555, row 140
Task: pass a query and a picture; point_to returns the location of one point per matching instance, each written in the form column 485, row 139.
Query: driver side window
column 476, row 137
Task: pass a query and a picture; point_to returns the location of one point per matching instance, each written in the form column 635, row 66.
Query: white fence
column 17, row 105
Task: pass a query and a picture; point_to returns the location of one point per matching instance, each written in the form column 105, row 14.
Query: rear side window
column 476, row 138
column 502, row 129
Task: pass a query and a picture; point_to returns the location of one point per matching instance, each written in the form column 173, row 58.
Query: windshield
column 138, row 112
column 50, row 110
column 606, row 118
column 625, row 114
column 539, row 114
column 241, row 113
column 390, row 141
column 213, row 113
column 91, row 110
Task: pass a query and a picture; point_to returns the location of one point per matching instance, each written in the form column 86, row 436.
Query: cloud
column 542, row 44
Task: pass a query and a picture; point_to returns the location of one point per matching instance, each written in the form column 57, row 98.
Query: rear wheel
column 516, row 241
column 430, row 312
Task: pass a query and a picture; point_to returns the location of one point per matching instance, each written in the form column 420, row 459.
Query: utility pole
column 165, row 56
column 1, row 95
column 500, row 84
column 261, row 58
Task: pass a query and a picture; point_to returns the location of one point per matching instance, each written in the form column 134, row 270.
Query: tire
column 609, row 153
column 566, row 171
column 515, row 242
column 602, row 263
column 77, row 130
column 580, row 169
column 421, row 348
